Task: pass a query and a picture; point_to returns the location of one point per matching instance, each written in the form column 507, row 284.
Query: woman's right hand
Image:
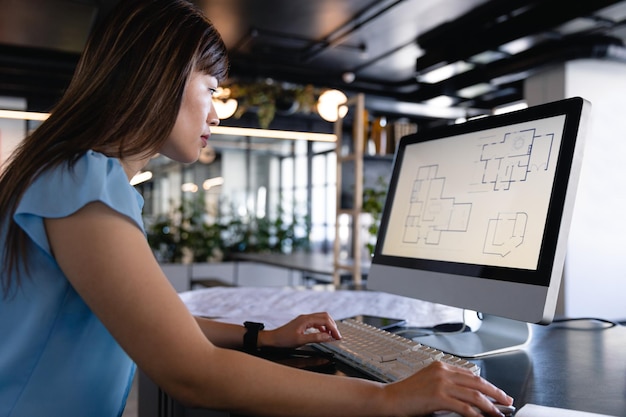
column 441, row 387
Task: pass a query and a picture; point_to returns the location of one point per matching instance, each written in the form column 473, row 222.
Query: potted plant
column 373, row 204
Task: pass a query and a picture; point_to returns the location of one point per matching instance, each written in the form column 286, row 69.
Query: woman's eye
column 212, row 91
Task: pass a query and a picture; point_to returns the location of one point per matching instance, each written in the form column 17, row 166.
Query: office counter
column 573, row 365
column 317, row 267
column 316, row 263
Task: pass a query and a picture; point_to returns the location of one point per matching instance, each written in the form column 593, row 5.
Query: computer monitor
column 477, row 217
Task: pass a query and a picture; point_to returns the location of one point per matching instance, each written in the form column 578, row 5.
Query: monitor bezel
column 572, row 109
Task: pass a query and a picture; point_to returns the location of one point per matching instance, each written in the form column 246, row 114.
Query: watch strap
column 251, row 337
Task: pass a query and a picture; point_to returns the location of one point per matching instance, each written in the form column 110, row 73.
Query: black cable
column 438, row 330
column 609, row 323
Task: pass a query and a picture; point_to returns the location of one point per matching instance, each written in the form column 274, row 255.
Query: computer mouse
column 507, row 410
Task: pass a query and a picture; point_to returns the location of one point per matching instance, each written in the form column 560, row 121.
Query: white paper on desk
column 279, row 305
column 533, row 410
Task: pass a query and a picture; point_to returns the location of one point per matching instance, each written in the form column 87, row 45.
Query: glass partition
column 257, row 194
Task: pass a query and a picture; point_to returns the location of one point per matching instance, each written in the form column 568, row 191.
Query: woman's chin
column 182, row 157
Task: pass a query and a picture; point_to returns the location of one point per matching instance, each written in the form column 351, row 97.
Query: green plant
column 373, row 204
column 184, row 235
column 268, row 98
column 260, row 235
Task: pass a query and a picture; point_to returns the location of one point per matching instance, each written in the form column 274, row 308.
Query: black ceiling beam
column 505, row 94
column 243, row 69
column 39, row 75
column 479, row 18
column 20, row 57
column 476, row 34
column 340, row 34
column 533, row 60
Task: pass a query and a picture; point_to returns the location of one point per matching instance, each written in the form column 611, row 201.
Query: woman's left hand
column 306, row 328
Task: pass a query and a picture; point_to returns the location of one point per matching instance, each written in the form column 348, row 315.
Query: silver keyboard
column 384, row 355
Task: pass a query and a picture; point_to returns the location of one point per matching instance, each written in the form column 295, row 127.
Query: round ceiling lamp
column 225, row 106
column 330, row 105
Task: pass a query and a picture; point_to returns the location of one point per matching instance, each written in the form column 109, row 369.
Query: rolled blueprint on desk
column 275, row 306
column 533, row 410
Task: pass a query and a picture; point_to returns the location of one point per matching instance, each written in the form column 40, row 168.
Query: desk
column 566, row 368
column 318, row 266
column 316, row 263
column 563, row 366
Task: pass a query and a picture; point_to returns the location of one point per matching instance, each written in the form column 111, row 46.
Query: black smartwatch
column 252, row 335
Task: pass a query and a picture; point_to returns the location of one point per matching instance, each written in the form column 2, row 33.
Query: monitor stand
column 491, row 335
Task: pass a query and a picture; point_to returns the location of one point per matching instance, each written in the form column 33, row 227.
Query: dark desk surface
column 565, row 366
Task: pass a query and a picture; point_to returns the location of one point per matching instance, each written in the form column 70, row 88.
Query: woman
column 82, row 292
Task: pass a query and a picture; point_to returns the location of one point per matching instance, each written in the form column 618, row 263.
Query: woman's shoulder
column 92, row 166
column 93, row 177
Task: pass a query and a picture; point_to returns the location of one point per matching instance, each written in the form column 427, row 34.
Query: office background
column 419, row 64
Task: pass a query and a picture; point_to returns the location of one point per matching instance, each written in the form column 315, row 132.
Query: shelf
column 356, row 157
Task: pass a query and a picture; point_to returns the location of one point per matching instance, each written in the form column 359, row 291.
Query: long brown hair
column 123, row 100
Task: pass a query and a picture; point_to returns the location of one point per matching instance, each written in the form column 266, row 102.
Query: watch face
column 254, row 325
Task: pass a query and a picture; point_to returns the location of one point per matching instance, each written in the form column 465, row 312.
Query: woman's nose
column 212, row 117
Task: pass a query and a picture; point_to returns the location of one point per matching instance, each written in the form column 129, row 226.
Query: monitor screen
column 477, row 213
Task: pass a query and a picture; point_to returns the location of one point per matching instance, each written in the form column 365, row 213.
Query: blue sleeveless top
column 56, row 357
